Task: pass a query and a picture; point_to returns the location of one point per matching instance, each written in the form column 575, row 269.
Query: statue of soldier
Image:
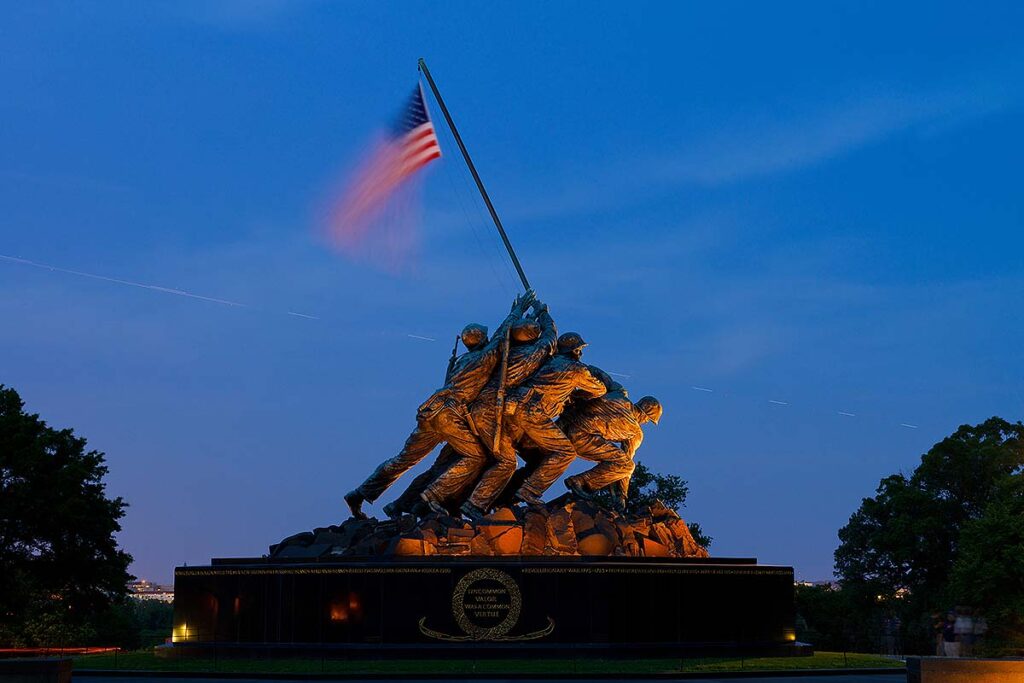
column 530, row 413
column 532, row 343
column 607, row 431
column 442, row 417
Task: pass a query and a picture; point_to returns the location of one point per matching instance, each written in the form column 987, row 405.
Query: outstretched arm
column 588, row 385
column 540, row 350
column 488, row 356
column 610, row 384
column 548, row 331
column 492, row 351
column 519, row 307
column 631, row 445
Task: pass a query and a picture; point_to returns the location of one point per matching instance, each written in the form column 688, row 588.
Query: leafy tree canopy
column 59, row 562
column 901, row 546
column 989, row 568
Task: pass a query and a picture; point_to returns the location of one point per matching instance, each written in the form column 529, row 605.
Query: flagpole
column 476, row 176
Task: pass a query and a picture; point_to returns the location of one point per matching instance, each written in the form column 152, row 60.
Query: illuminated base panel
column 510, row 607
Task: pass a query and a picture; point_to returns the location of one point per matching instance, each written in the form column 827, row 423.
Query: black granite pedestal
column 509, row 607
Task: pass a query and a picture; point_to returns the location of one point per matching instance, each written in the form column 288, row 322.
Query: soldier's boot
column 529, row 497
column 577, row 489
column 354, row 499
column 472, row 512
column 392, row 510
column 421, row 509
column 433, row 503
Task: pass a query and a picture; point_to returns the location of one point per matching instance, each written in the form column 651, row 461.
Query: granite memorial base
column 484, row 607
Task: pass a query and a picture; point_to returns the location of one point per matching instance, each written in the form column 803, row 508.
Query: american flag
column 410, row 144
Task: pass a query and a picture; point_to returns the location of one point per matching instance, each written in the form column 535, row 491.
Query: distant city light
column 144, row 590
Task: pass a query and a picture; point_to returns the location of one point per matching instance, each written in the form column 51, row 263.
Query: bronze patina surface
column 522, row 395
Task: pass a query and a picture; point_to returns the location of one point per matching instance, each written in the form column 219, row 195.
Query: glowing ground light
column 348, row 607
column 339, row 612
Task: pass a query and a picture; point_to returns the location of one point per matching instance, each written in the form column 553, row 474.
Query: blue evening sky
column 817, row 204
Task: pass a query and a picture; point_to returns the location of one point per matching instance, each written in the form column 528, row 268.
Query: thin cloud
column 767, row 145
column 764, row 143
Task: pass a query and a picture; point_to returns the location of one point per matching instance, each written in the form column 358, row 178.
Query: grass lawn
column 146, row 660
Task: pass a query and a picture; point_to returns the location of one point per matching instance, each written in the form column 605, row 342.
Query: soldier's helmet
column 525, row 331
column 473, row 335
column 571, row 342
column 651, row 407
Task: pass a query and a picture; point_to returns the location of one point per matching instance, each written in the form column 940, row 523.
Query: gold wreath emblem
column 473, row 631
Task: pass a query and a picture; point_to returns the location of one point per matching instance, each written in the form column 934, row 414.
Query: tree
column 899, row 548
column 153, row 620
column 60, row 565
column 989, row 569
column 824, row 618
column 647, row 487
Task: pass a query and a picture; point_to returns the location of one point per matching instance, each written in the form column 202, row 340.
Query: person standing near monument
column 964, row 628
column 607, row 431
column 442, row 417
column 950, row 645
column 532, row 343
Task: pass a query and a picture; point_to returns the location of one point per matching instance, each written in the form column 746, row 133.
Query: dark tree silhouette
column 60, row 565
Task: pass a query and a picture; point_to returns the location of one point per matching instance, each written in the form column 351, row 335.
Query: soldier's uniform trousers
column 444, row 424
column 531, row 421
column 466, row 471
column 613, row 464
column 411, row 496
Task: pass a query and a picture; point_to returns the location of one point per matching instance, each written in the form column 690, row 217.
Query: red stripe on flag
column 381, row 175
column 429, row 130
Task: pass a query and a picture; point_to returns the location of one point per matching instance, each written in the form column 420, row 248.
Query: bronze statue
column 532, row 409
column 410, row 501
column 443, row 416
column 524, row 393
column 607, row 430
column 532, row 343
